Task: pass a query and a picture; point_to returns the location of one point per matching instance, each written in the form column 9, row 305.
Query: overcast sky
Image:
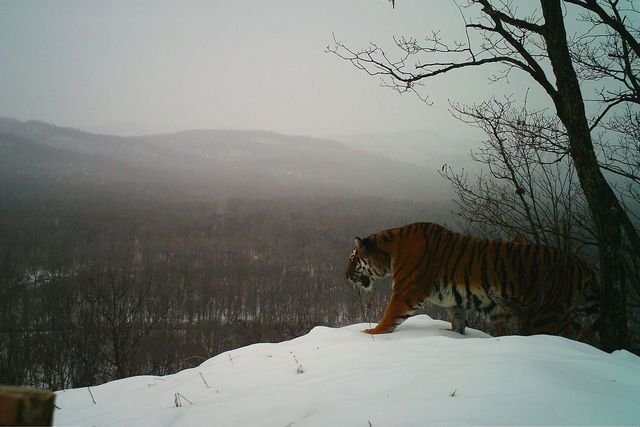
column 243, row 64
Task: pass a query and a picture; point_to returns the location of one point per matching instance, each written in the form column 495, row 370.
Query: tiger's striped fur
column 548, row 292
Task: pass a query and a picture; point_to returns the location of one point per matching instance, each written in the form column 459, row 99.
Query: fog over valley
column 210, row 239
column 221, row 163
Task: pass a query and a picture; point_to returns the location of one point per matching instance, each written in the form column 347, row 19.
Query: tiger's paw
column 376, row 330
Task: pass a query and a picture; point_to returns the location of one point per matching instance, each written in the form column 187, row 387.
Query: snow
column 420, row 375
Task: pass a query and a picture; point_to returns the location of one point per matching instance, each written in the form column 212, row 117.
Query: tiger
column 548, row 292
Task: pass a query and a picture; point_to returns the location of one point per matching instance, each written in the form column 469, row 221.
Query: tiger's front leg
column 399, row 309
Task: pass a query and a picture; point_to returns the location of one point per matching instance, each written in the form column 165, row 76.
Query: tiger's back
column 541, row 287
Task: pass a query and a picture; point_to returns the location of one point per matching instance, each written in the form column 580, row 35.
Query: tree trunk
column 603, row 203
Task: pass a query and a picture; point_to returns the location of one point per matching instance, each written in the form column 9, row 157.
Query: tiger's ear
column 363, row 243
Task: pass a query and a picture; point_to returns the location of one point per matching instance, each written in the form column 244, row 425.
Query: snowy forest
column 90, row 295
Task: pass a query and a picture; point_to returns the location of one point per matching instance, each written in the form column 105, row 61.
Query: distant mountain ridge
column 418, row 147
column 223, row 163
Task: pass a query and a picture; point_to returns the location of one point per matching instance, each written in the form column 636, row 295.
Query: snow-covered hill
column 421, row 375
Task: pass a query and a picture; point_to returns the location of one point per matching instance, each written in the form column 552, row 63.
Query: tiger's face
column 367, row 264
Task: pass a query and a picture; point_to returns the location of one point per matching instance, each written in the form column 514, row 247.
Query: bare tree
column 538, row 45
column 528, row 186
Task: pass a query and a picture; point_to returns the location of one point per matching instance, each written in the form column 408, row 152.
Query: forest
column 93, row 291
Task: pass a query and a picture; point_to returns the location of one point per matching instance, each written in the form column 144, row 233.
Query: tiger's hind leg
column 458, row 318
column 588, row 314
column 399, row 309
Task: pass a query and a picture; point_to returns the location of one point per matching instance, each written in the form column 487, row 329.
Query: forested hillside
column 113, row 266
column 203, row 163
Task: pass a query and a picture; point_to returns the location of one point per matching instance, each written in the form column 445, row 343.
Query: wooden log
column 26, row 406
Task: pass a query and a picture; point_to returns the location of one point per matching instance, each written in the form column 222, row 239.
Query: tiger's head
column 367, row 263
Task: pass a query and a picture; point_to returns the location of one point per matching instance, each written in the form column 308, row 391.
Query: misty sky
column 155, row 66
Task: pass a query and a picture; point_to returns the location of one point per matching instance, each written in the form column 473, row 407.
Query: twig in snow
column 92, row 398
column 203, row 380
column 454, row 393
column 178, row 400
column 188, row 359
column 365, row 314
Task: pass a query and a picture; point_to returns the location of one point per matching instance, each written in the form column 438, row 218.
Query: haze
column 125, row 67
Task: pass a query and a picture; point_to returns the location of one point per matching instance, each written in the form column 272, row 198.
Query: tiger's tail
column 589, row 311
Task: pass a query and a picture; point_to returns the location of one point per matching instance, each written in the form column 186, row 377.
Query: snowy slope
column 420, row 375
